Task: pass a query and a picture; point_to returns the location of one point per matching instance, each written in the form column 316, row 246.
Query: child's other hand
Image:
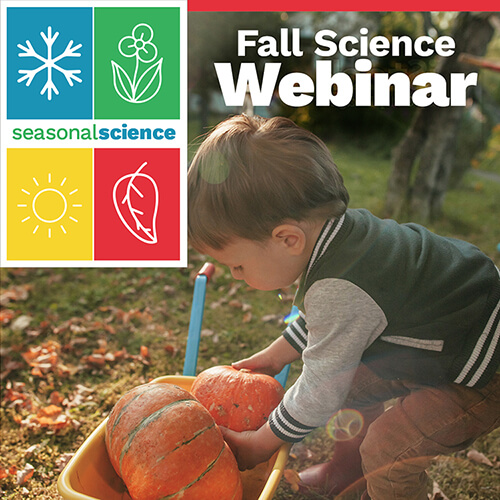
column 251, row 447
column 270, row 360
column 259, row 362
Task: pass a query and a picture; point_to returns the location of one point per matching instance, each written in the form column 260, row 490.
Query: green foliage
column 489, row 159
column 491, row 79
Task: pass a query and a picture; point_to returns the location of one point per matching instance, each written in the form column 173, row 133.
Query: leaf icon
column 136, row 210
column 122, row 83
column 149, row 83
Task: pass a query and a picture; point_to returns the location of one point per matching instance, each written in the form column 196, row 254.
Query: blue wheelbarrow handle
column 194, row 332
column 283, row 375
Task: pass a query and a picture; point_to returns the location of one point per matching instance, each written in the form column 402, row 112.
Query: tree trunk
column 430, row 141
column 438, row 145
column 399, row 190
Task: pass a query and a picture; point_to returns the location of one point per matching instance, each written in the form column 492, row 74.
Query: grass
column 111, row 311
column 470, row 211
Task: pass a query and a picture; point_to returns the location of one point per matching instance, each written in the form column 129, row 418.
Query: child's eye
column 238, row 268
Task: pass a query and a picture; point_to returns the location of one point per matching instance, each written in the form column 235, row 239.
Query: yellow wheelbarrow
column 90, row 476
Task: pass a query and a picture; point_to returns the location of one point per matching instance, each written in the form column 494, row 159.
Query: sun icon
column 49, row 205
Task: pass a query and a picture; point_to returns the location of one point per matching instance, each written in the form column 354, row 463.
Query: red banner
column 327, row 6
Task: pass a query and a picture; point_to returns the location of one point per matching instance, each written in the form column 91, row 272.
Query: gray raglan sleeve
column 342, row 321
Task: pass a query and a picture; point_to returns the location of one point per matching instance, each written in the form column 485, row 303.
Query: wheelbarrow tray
column 90, row 476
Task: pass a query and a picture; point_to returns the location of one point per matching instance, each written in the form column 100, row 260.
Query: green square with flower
column 137, row 62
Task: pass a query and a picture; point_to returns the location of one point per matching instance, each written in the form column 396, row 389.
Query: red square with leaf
column 137, row 204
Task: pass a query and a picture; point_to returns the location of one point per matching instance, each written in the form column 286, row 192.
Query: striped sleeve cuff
column 296, row 333
column 484, row 355
column 286, row 427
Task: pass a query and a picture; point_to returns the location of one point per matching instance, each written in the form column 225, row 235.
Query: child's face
column 263, row 265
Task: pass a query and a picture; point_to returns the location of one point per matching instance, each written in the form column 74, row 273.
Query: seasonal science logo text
column 93, row 133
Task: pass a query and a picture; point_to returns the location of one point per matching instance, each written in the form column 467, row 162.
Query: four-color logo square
column 49, row 63
column 49, row 204
column 137, row 198
column 137, row 63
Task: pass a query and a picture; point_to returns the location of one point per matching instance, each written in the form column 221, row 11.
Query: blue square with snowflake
column 49, row 63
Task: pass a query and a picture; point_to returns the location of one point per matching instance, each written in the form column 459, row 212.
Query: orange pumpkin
column 164, row 444
column 240, row 400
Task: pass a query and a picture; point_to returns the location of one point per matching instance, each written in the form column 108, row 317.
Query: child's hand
column 271, row 360
column 252, row 447
column 259, row 362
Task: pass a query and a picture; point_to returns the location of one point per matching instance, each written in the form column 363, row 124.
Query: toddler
column 388, row 310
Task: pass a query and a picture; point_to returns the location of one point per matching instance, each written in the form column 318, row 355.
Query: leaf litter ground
column 73, row 341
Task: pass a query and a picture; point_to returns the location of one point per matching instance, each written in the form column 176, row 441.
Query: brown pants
column 425, row 422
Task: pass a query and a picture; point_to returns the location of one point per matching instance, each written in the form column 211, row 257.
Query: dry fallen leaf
column 6, row 316
column 127, row 316
column 16, row 397
column 78, row 397
column 16, row 293
column 63, row 460
column 24, row 475
column 169, row 290
column 301, row 451
column 478, row 457
column 121, row 354
column 437, row 494
column 272, row 317
column 94, row 360
column 234, row 288
column 44, row 359
column 109, row 357
column 49, row 411
column 31, row 449
column 292, row 478
column 171, row 349
column 103, row 344
column 216, row 304
column 51, row 418
column 55, row 398
column 21, row 323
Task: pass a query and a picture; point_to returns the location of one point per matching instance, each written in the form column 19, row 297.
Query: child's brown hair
column 252, row 174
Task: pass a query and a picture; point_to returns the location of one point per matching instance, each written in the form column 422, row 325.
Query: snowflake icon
column 49, row 63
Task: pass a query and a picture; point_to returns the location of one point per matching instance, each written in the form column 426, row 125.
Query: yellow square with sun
column 49, row 204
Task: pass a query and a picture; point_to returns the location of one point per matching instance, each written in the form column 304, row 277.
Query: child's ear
column 291, row 236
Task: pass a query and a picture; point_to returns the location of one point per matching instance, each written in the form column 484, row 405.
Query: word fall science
column 362, row 87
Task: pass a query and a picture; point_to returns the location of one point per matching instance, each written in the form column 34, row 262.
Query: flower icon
column 139, row 44
column 140, row 87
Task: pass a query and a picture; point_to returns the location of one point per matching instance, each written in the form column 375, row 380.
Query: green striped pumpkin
column 165, row 445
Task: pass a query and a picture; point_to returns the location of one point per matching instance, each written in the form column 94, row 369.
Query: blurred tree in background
column 431, row 141
column 213, row 37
